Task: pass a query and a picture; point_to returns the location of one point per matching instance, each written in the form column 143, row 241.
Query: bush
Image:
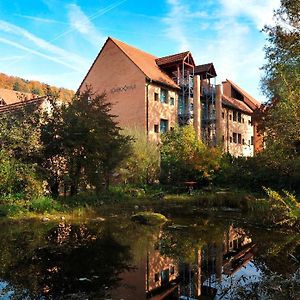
column 18, row 178
column 185, row 158
column 143, row 165
column 44, row 204
column 284, row 207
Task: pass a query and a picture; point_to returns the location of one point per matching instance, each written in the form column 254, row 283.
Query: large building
column 156, row 93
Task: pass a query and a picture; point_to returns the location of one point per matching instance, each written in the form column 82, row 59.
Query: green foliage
column 184, row 157
column 280, row 118
column 44, row 204
column 143, row 165
column 20, row 133
column 286, row 208
column 83, row 143
column 17, row 177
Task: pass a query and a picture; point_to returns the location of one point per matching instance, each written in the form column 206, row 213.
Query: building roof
column 11, row 96
column 170, row 59
column 21, row 104
column 249, row 100
column 206, row 71
column 146, row 63
column 237, row 104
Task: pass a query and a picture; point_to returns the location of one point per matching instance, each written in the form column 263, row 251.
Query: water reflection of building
column 159, row 277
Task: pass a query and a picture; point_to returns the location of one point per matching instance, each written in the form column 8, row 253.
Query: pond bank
column 134, row 200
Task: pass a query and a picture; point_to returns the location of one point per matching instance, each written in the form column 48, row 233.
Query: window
column 239, row 138
column 156, row 96
column 230, row 117
column 230, row 139
column 156, row 128
column 156, row 277
column 239, row 116
column 171, row 128
column 223, row 115
column 243, row 120
column 243, row 141
column 223, row 138
column 252, row 140
column 163, row 96
column 234, row 116
column 172, row 101
column 249, row 122
column 164, row 125
column 235, row 137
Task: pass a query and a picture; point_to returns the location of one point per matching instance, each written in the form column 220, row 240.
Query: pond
column 187, row 258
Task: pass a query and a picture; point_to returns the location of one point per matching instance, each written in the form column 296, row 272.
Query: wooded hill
column 32, row 86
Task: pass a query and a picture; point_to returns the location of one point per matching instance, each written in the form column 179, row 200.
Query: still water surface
column 190, row 258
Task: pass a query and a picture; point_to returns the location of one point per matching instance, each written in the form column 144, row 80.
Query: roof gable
column 175, row 59
column 146, row 63
column 248, row 99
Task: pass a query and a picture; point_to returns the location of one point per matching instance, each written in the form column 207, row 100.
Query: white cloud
column 41, row 20
column 176, row 30
column 233, row 44
column 80, row 22
column 38, row 53
column 52, row 52
column 260, row 12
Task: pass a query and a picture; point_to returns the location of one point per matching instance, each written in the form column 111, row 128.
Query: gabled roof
column 146, row 62
column 174, row 58
column 237, row 104
column 11, row 96
column 21, row 104
column 206, row 71
column 249, row 100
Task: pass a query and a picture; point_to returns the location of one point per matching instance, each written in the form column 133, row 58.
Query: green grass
column 126, row 199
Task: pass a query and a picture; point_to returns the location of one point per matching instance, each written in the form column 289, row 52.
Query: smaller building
column 12, row 101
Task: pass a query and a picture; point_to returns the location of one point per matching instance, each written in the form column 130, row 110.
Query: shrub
column 44, row 204
column 143, row 165
column 185, row 158
column 284, row 207
column 18, row 178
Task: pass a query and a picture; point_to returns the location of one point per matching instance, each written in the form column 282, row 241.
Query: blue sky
column 56, row 41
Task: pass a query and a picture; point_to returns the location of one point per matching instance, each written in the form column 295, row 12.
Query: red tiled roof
column 11, row 96
column 237, row 104
column 21, row 104
column 249, row 100
column 146, row 63
column 171, row 58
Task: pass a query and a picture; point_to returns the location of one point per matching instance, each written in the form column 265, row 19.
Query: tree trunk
column 55, row 189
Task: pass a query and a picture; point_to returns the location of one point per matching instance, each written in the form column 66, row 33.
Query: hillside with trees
column 32, row 86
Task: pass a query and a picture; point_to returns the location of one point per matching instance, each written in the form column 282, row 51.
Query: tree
column 184, row 157
column 281, row 82
column 280, row 118
column 143, row 165
column 85, row 139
